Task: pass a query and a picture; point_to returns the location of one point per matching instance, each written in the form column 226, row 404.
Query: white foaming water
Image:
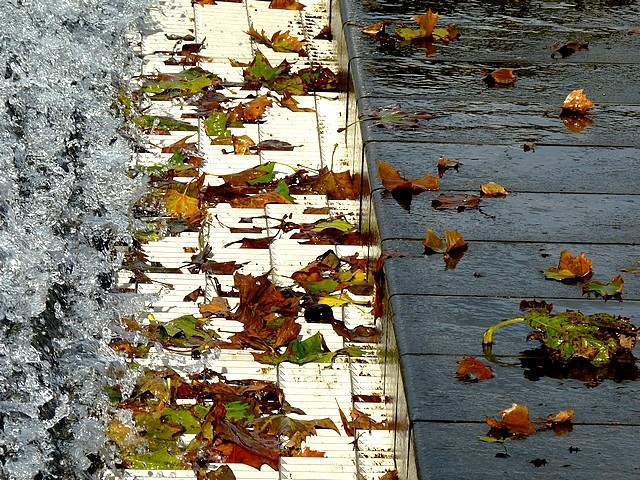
column 64, row 202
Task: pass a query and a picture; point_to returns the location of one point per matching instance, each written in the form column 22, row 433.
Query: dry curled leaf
column 563, row 416
column 577, row 103
column 471, row 369
column 445, row 164
column 570, row 268
column 392, row 180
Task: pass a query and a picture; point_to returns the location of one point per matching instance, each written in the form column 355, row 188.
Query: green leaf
column 409, row 34
column 185, row 83
column 323, row 287
column 260, row 70
column 613, row 289
column 239, row 410
column 267, row 177
column 215, row 125
column 283, row 189
column 157, row 460
column 312, row 349
column 337, row 224
column 183, row 417
column 161, row 123
column 157, row 426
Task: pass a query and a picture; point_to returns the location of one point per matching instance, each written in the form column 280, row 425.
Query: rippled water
column 64, row 201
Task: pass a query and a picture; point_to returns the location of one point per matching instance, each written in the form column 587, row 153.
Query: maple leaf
column 613, row 289
column 249, row 111
column 295, row 430
column 493, row 189
column 280, row 42
column 362, row 421
column 336, row 185
column 515, row 422
column 427, row 22
column 217, row 306
column 166, row 86
column 570, row 268
column 471, row 369
column 502, row 77
column 182, row 205
column 286, row 4
column 577, row 103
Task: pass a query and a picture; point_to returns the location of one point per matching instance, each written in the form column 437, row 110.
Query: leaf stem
column 487, row 336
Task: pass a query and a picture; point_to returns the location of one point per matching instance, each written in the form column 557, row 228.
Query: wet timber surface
column 577, row 190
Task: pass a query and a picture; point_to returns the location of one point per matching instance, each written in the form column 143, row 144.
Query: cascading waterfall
column 64, row 202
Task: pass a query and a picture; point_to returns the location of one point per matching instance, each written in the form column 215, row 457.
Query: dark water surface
column 576, row 188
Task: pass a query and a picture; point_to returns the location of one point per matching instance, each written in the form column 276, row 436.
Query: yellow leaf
column 493, row 189
column 577, row 103
column 433, row 243
column 454, row 240
column 180, row 204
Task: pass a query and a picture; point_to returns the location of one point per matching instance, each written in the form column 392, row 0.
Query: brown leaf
column 345, row 423
column 258, row 201
column 296, row 430
column 471, row 369
column 286, row 5
column 307, row 452
column 337, row 186
column 445, row 164
column 577, row 103
column 180, row 145
column 193, row 296
column 242, row 145
column 291, row 103
column 217, row 306
column 455, row 201
column 503, row 77
column 376, row 28
column 392, row 180
column 359, row 334
column 568, row 48
column 324, row 34
column 427, row 22
column 362, row 421
column 249, row 111
column 390, row 475
column 273, row 144
column 515, row 421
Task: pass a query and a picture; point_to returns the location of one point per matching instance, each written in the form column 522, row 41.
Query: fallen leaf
column 568, row 48
column 242, row 144
column 251, row 176
column 193, row 296
column 362, row 421
column 563, row 416
column 432, row 243
column 445, row 164
column 515, row 422
column 250, row 111
column 635, row 270
column 280, row 42
column 570, row 268
column 259, row 201
column 181, row 205
column 287, row 101
column 286, row 4
column 577, row 103
column 613, row 289
column 427, row 22
column 295, row 430
column 324, row 34
column 471, row 369
column 376, row 28
column 633, row 31
column 217, row 306
column 393, row 181
column 493, row 189
column 503, row 77
column 529, row 147
column 539, row 462
column 455, row 201
column 266, row 145
column 390, row 475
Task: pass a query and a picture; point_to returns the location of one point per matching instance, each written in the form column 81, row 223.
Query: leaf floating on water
column 455, row 201
column 493, row 189
column 568, row 48
column 570, row 268
column 515, row 422
column 376, row 28
column 503, row 77
column 563, row 416
column 577, row 103
column 445, row 164
column 471, row 369
column 613, row 289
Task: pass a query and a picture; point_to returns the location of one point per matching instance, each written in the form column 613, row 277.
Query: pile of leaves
column 187, row 423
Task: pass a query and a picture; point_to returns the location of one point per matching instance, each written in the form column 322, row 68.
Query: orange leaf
column 445, row 164
column 503, row 77
column 577, row 103
column 515, row 421
column 258, row 201
column 181, row 205
column 286, row 5
column 473, row 370
column 427, row 22
column 570, row 267
column 216, row 306
column 242, row 145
